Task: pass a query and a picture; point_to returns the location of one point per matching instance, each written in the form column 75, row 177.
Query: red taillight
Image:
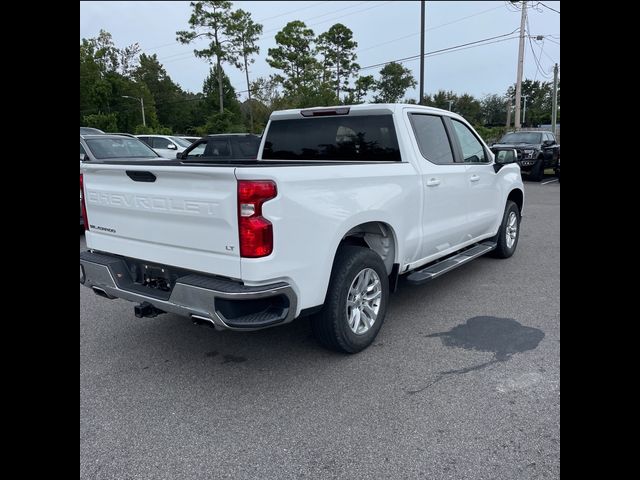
column 256, row 232
column 84, row 205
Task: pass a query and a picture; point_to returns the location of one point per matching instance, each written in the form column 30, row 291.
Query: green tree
column 111, row 58
column 295, row 57
column 337, row 47
column 539, row 101
column 230, row 119
column 105, row 76
column 105, row 122
column 441, row 99
column 213, row 20
column 467, row 106
column 363, row 85
column 172, row 103
column 393, row 83
column 246, row 33
column 494, row 110
column 225, row 122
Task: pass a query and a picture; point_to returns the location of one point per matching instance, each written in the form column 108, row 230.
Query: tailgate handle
column 138, row 176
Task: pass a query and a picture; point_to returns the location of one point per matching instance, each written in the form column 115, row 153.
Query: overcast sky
column 384, row 30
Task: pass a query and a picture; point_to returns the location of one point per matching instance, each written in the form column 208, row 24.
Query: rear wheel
column 509, row 233
column 356, row 301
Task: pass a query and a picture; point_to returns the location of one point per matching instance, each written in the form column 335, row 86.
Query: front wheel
column 509, row 233
column 356, row 301
column 537, row 174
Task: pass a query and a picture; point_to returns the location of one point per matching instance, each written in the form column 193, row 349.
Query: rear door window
column 432, row 138
column 217, row 149
column 349, row 138
column 197, row 151
column 159, row 142
column 248, row 147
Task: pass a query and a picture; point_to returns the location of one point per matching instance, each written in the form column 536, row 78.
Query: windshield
column 181, row 141
column 122, row 147
column 522, row 137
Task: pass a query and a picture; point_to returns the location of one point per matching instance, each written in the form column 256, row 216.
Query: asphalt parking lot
column 462, row 382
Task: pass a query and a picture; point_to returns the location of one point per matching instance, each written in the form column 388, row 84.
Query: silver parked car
column 165, row 145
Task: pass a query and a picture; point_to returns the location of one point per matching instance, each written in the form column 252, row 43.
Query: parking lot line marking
column 550, row 181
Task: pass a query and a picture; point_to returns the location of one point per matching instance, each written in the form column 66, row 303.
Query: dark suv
column 225, row 147
column 537, row 151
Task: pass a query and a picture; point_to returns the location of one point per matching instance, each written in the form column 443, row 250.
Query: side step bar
column 430, row 272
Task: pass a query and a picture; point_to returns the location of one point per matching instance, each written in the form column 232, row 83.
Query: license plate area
column 157, row 277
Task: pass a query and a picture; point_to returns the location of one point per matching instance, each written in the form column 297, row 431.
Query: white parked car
column 166, row 146
column 339, row 203
column 191, row 139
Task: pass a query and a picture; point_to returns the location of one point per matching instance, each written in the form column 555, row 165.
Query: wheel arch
column 378, row 236
column 517, row 196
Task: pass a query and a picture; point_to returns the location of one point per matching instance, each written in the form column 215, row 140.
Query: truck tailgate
column 171, row 215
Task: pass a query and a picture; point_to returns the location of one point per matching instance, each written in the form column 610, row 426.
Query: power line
column 546, row 6
column 437, row 51
column 257, row 21
column 539, row 68
column 428, row 29
column 464, row 46
column 291, row 11
column 546, row 54
column 265, row 34
column 318, row 16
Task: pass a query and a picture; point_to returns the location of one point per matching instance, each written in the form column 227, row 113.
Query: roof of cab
column 363, row 108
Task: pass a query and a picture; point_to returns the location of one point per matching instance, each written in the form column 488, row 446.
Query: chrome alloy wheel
column 512, row 229
column 363, row 301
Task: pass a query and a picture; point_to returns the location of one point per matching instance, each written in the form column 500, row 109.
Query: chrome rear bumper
column 227, row 304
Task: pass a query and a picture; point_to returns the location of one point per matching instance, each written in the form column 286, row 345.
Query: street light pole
column 144, row 123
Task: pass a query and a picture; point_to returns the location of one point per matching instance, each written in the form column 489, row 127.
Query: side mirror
column 547, row 143
column 171, row 146
column 82, row 157
column 180, row 155
column 503, row 157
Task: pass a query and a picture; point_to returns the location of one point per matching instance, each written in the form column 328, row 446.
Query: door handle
column 433, row 182
column 474, row 178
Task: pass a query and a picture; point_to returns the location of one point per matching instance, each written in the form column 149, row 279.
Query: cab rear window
column 367, row 138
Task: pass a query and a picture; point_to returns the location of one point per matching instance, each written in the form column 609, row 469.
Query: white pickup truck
column 339, row 203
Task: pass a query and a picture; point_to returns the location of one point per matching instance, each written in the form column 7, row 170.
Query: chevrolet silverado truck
column 339, row 203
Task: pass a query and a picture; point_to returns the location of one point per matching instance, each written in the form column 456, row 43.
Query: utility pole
column 422, row 7
column 450, row 102
column 524, row 112
column 520, row 64
column 141, row 104
column 508, row 113
column 554, row 112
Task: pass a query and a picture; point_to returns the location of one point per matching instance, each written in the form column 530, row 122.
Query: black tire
column 537, row 173
column 502, row 250
column 330, row 326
